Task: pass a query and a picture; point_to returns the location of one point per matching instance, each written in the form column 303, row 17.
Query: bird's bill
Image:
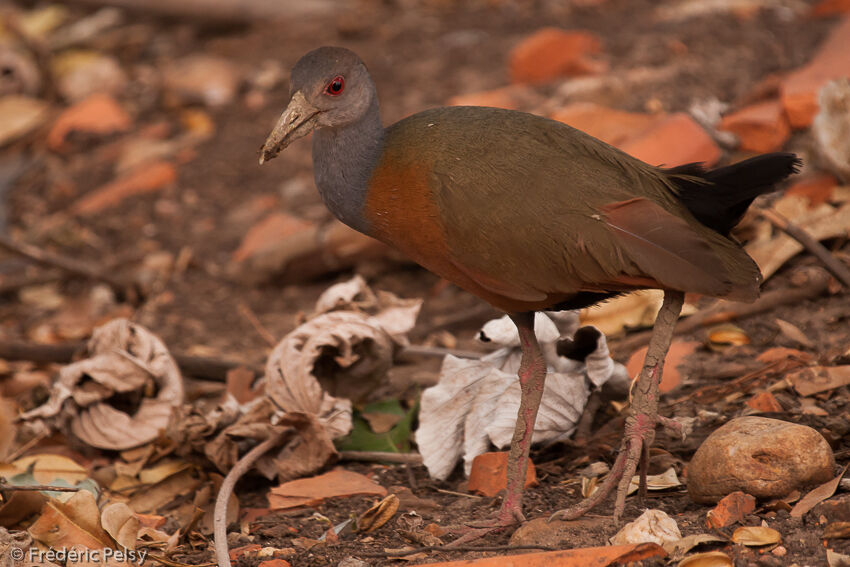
column 298, row 120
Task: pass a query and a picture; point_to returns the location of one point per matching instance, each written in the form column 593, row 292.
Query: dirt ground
column 420, row 54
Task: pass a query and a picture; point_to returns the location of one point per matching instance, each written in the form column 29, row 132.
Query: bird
column 529, row 214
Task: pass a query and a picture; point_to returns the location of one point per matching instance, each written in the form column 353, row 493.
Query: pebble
column 766, row 458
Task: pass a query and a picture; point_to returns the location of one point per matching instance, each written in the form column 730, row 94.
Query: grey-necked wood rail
column 528, row 214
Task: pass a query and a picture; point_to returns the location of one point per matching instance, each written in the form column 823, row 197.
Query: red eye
column 336, row 86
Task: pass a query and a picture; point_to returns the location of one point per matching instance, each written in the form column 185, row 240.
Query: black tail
column 718, row 198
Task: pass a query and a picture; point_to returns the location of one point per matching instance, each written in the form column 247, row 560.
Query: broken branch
column 833, row 264
column 240, row 468
column 44, row 258
column 816, row 283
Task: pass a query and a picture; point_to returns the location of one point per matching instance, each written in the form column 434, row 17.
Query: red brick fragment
column 550, row 53
column 676, row 140
column 97, row 114
column 761, row 127
column 147, row 178
column 800, row 89
column 489, row 474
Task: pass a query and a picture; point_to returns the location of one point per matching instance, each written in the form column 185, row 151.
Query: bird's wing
column 530, row 207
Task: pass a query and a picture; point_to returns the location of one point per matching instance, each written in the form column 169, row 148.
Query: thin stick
column 240, row 468
column 171, row 563
column 372, row 456
column 439, row 352
column 833, row 264
column 251, row 317
column 453, row 493
column 39, row 487
column 462, row 548
column 44, row 258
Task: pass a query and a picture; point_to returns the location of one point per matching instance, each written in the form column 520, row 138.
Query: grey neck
column 343, row 160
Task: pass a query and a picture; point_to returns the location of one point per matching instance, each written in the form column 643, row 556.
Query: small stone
column 275, row 563
column 212, row 81
column 766, row 458
column 550, row 53
column 761, row 127
column 489, row 474
column 653, row 526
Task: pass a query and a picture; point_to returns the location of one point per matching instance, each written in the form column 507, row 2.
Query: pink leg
column 643, row 418
column 532, row 376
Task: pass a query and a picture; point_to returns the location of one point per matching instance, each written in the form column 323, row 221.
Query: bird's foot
column 639, row 435
column 510, row 515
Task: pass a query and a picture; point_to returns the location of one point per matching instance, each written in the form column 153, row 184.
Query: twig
column 724, row 311
column 199, row 366
column 833, row 264
column 39, row 487
column 240, row 468
column 439, row 352
column 70, row 265
column 462, row 548
column 170, row 563
column 453, row 493
column 371, row 456
column 251, row 317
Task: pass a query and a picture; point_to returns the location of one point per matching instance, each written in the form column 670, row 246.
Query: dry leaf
column 677, row 549
column 722, row 337
column 637, row 309
column 708, row 559
column 817, row 379
column 663, row 481
column 816, row 496
column 48, row 468
column 378, row 515
column 151, row 498
column 753, row 536
column 124, row 358
column 75, row 522
column 793, row 332
column 835, row 559
column 653, row 526
column 162, row 471
column 837, row 530
column 821, row 223
column 310, row 491
column 475, row 402
column 121, row 523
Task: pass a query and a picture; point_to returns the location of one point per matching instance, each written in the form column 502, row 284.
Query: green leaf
column 396, row 440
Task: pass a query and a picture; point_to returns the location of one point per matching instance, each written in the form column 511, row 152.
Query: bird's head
column 329, row 87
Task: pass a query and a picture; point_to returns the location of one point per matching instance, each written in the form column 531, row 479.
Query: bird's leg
column 532, row 376
column 643, row 417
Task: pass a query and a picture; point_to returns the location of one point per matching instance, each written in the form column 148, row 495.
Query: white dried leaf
column 653, row 526
column 354, row 293
column 443, row 411
column 475, row 403
column 123, row 357
column 503, row 332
